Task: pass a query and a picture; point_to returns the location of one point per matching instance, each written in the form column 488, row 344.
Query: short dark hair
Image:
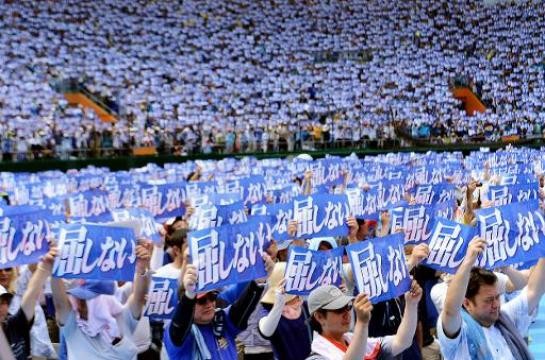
column 314, row 324
column 477, row 278
column 178, row 238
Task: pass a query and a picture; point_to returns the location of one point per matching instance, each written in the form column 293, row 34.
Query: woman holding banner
column 94, row 323
column 286, row 323
column 331, row 313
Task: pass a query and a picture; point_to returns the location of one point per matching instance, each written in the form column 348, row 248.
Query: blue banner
column 514, row 233
column 162, row 298
column 364, row 204
column 252, row 189
column 201, row 188
column 332, row 172
column 379, row 267
column 448, row 245
column 23, row 238
column 281, row 215
column 229, row 254
column 95, row 252
column 307, row 270
column 91, row 206
column 321, row 215
column 148, row 226
column 431, row 194
column 507, row 194
column 414, row 220
column 224, row 198
column 124, row 196
column 390, row 192
column 164, row 201
column 284, row 195
column 216, row 215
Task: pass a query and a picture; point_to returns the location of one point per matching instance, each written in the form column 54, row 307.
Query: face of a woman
column 336, row 322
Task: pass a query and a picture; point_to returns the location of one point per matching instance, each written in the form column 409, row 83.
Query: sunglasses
column 209, row 297
column 342, row 310
column 6, row 269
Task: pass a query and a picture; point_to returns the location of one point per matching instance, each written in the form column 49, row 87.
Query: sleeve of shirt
column 517, row 311
column 452, row 348
column 129, row 323
column 20, row 322
column 385, row 349
column 176, row 352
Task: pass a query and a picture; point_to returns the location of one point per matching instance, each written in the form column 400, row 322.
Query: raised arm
column 307, row 183
column 536, row 285
column 158, row 252
column 405, row 333
column 456, row 292
column 141, row 281
column 353, row 228
column 37, row 281
column 469, row 214
column 357, row 348
column 517, row 279
column 183, row 314
column 269, row 323
column 60, row 300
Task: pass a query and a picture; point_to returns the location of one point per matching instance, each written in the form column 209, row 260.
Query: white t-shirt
column 142, row 334
column 168, row 271
column 81, row 346
column 457, row 348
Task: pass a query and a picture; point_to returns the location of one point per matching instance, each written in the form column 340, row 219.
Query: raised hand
column 189, row 281
column 413, row 296
column 420, row 252
column 476, row 246
column 363, row 307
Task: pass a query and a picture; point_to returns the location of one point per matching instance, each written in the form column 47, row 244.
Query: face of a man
column 205, row 309
column 485, row 306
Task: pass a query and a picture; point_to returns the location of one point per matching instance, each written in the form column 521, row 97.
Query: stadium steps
column 537, row 333
column 472, row 103
column 78, row 98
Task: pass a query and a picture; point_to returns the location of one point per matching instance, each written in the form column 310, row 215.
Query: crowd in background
column 208, row 75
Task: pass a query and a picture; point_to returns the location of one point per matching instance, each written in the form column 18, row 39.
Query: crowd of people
column 440, row 316
column 209, row 75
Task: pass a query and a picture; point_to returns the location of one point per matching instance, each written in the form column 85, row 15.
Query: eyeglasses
column 342, row 310
column 209, row 297
column 6, row 269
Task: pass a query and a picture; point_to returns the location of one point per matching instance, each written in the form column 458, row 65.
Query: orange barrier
column 510, row 138
column 471, row 102
column 81, row 99
column 144, row 150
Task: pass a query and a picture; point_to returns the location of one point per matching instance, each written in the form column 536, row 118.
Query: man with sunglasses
column 199, row 330
column 331, row 318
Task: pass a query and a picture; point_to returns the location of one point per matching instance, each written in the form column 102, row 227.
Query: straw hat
column 275, row 278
